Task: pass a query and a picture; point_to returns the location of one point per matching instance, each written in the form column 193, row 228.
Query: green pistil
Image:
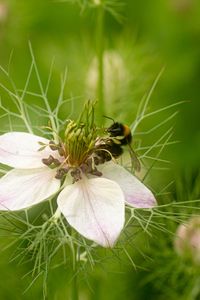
column 79, row 143
column 78, row 149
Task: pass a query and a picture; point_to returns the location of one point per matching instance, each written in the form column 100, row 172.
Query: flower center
column 76, row 152
column 82, row 149
column 79, row 143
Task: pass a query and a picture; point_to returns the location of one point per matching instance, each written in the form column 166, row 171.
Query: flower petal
column 23, row 188
column 20, row 150
column 95, row 208
column 136, row 193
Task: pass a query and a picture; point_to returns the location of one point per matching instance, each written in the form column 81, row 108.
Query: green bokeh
column 154, row 34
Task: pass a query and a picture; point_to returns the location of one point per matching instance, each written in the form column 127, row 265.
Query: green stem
column 74, row 286
column 100, row 54
column 44, row 97
column 24, row 118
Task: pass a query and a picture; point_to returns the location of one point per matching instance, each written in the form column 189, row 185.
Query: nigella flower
column 92, row 194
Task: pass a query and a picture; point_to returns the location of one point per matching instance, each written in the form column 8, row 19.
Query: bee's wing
column 134, row 159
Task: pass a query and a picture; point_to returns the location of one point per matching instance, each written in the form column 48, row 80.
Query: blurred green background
column 151, row 35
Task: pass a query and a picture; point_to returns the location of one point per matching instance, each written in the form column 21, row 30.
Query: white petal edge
column 20, row 150
column 95, row 208
column 136, row 193
column 21, row 189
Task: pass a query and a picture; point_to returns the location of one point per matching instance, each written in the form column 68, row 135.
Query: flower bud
column 4, row 10
column 115, row 78
column 187, row 241
column 97, row 2
column 182, row 6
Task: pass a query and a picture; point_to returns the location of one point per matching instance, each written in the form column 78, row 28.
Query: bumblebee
column 121, row 132
column 112, row 147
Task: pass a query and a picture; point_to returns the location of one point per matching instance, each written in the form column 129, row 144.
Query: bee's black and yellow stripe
column 120, row 130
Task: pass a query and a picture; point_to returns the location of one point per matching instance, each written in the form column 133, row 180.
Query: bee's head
column 116, row 129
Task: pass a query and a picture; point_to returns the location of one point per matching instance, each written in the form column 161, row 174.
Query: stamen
column 51, row 161
column 61, row 173
column 56, row 162
column 53, row 146
column 58, row 147
column 89, row 167
column 61, row 151
column 96, row 172
column 48, row 161
column 76, row 174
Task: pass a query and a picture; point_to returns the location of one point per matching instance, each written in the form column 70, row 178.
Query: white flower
column 94, row 205
column 31, row 181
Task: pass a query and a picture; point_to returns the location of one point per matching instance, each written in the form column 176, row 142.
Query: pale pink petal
column 20, row 150
column 136, row 193
column 23, row 188
column 95, row 208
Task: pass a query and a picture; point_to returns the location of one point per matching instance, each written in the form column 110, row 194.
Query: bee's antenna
column 109, row 118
